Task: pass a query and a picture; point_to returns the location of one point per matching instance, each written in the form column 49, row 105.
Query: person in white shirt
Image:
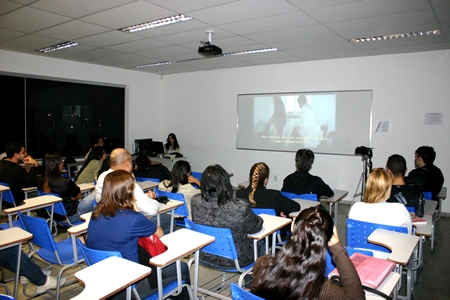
column 120, row 159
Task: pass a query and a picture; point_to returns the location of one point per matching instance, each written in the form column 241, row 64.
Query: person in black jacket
column 301, row 182
column 426, row 176
column 14, row 175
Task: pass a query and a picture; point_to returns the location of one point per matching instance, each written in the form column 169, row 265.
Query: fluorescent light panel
column 57, row 47
column 250, row 51
column 157, row 23
column 395, row 36
column 151, row 65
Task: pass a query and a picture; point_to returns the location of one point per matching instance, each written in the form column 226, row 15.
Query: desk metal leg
column 196, row 263
column 160, row 283
column 172, row 219
column 16, row 283
column 274, row 242
column 433, row 236
column 128, row 293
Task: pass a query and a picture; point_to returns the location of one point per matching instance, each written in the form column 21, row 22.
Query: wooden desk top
column 429, row 207
column 78, row 229
column 102, row 279
column 304, row 204
column 270, row 225
column 179, row 244
column 86, row 186
column 4, row 188
column 386, row 287
column 424, row 229
column 34, row 203
column 12, row 236
column 401, row 244
column 146, row 185
column 172, row 204
column 337, row 197
column 86, row 216
column 443, row 193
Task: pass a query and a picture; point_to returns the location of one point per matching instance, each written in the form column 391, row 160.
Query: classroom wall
column 142, row 103
column 201, row 109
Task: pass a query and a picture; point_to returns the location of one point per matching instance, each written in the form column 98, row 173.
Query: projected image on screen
column 327, row 122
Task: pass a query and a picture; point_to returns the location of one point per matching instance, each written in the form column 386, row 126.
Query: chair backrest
column 312, row 197
column 7, row 195
column 238, row 293
column 180, row 210
column 141, row 179
column 93, row 256
column 329, row 263
column 223, row 245
column 6, row 297
column 411, row 209
column 267, row 211
column 358, row 232
column 38, row 227
column 197, row 175
column 427, row 195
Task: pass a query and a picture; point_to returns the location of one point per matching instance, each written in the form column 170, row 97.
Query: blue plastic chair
column 358, row 232
column 238, row 293
column 181, row 211
column 222, row 246
column 427, row 195
column 55, row 253
column 197, row 175
column 60, row 210
column 6, row 297
column 8, row 197
column 312, row 197
column 93, row 256
column 271, row 212
column 141, row 179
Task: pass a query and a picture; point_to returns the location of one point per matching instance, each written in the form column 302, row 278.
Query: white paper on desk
column 383, row 126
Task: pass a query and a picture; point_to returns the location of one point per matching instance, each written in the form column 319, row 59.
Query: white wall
column 201, row 109
column 143, row 103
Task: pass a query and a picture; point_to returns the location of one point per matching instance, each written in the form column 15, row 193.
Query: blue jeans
column 84, row 206
column 8, row 259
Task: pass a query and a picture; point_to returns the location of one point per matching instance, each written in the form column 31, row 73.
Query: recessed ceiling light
column 157, row 23
column 395, row 36
column 151, row 65
column 250, row 51
column 57, row 47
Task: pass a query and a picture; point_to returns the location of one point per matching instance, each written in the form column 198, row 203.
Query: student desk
column 109, row 276
column 85, row 188
column 77, row 230
column 337, row 197
column 386, row 287
column 29, row 190
column 180, row 244
column 74, row 165
column 424, row 231
column 2, row 189
column 402, row 246
column 148, row 185
column 33, row 204
column 428, row 230
column 14, row 237
column 171, row 205
column 270, row 226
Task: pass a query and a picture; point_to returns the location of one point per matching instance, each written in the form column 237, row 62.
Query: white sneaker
column 24, row 280
column 49, row 284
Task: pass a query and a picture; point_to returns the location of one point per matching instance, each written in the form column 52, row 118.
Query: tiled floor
column 433, row 280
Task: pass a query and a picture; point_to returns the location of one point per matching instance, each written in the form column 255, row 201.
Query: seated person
column 14, row 175
column 172, row 145
column 145, row 168
column 426, row 176
column 91, row 166
column 29, row 270
column 375, row 209
column 217, row 207
column 298, row 270
column 402, row 193
column 301, row 181
column 52, row 182
column 181, row 182
column 261, row 197
column 96, row 140
column 117, row 213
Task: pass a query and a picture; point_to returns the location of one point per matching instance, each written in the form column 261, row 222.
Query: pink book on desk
column 372, row 271
column 417, row 220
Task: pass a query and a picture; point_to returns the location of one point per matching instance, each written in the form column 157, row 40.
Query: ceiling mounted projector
column 208, row 49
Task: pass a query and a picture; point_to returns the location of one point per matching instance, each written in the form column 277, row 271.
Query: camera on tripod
column 364, row 151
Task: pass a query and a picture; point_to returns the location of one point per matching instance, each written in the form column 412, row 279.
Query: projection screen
column 325, row 122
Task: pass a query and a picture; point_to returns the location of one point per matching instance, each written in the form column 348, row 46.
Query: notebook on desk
column 417, row 220
column 372, row 271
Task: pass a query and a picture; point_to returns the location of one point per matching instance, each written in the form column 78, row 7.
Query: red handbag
column 152, row 244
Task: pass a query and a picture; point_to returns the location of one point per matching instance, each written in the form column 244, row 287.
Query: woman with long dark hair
column 116, row 225
column 181, row 182
column 171, row 145
column 217, row 207
column 52, row 182
column 145, row 168
column 91, row 166
column 298, row 270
